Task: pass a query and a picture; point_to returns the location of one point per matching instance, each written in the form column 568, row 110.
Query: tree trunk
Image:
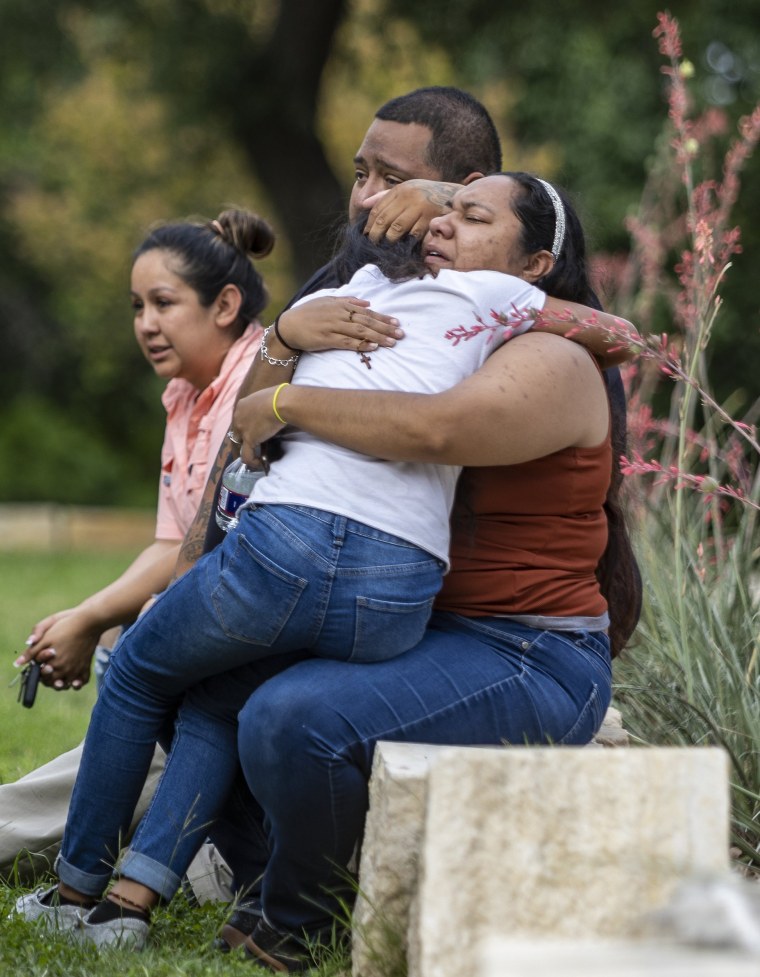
column 275, row 123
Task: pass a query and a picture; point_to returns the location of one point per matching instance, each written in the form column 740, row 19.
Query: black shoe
column 281, row 952
column 240, row 925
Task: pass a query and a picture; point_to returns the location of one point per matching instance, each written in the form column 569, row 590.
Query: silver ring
column 231, row 437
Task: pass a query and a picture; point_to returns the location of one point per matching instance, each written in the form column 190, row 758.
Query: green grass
column 33, row 585
column 180, row 946
column 694, row 677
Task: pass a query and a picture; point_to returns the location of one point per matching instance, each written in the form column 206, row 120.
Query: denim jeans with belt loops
column 288, row 579
column 307, row 738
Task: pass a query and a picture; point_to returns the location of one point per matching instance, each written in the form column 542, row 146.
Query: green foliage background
column 116, row 115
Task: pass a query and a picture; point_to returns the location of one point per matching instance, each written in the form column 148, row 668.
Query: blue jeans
column 287, row 579
column 307, row 737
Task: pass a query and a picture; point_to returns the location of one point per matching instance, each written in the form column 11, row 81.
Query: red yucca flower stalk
column 697, row 467
column 713, row 462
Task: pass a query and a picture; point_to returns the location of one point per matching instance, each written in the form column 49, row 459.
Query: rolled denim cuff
column 147, row 871
column 84, row 882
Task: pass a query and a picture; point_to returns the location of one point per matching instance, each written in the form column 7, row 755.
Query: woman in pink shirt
column 196, row 296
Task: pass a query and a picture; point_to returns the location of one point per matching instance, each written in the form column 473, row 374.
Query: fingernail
column 47, row 669
column 29, row 640
column 58, row 684
column 51, row 652
column 371, row 347
column 76, row 684
column 18, row 663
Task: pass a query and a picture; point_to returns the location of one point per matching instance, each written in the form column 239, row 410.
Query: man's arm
column 608, row 337
column 408, row 209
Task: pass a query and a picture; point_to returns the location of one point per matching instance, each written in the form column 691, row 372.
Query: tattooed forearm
column 440, row 194
column 191, row 549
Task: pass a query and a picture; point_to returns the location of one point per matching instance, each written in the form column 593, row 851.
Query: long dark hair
column 617, row 571
column 212, row 254
column 398, row 261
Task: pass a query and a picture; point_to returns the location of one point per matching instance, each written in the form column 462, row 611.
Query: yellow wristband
column 274, row 402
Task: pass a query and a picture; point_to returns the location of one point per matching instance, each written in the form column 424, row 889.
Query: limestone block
column 390, row 851
column 611, row 732
column 564, row 843
column 392, row 839
column 559, row 958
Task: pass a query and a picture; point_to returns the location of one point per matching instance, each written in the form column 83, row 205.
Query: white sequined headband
column 559, row 217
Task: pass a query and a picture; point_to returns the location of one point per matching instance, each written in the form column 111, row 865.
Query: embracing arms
column 535, row 395
column 348, row 323
column 408, row 209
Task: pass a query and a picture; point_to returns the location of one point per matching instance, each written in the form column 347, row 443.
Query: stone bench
column 609, row 958
column 462, row 844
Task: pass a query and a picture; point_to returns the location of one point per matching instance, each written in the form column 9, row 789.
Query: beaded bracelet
column 272, row 360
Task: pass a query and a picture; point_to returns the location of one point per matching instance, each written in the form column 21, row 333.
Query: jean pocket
column 255, row 597
column 387, row 628
column 589, row 719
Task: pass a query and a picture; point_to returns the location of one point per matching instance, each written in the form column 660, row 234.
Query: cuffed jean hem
column 84, row 882
column 147, row 871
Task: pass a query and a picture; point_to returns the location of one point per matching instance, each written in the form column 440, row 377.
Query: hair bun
column 245, row 231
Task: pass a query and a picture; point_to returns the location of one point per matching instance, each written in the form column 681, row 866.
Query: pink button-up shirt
column 196, row 423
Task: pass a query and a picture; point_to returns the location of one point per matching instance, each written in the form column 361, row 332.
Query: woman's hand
column 64, row 644
column 407, row 209
column 254, row 422
column 337, row 323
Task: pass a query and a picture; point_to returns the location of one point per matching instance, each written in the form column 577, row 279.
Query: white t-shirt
column 408, row 499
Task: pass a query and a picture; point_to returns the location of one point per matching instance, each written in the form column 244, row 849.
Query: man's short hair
column 464, row 138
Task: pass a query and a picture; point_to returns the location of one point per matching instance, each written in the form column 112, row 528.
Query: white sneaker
column 126, row 932
column 63, row 917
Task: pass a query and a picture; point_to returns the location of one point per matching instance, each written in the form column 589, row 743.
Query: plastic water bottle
column 237, row 484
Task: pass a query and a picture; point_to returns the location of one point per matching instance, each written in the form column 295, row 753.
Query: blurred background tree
column 118, row 114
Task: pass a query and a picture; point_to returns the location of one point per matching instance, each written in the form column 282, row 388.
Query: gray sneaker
column 41, row 906
column 126, row 932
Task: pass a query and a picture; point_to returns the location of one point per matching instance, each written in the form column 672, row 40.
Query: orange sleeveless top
column 527, row 538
